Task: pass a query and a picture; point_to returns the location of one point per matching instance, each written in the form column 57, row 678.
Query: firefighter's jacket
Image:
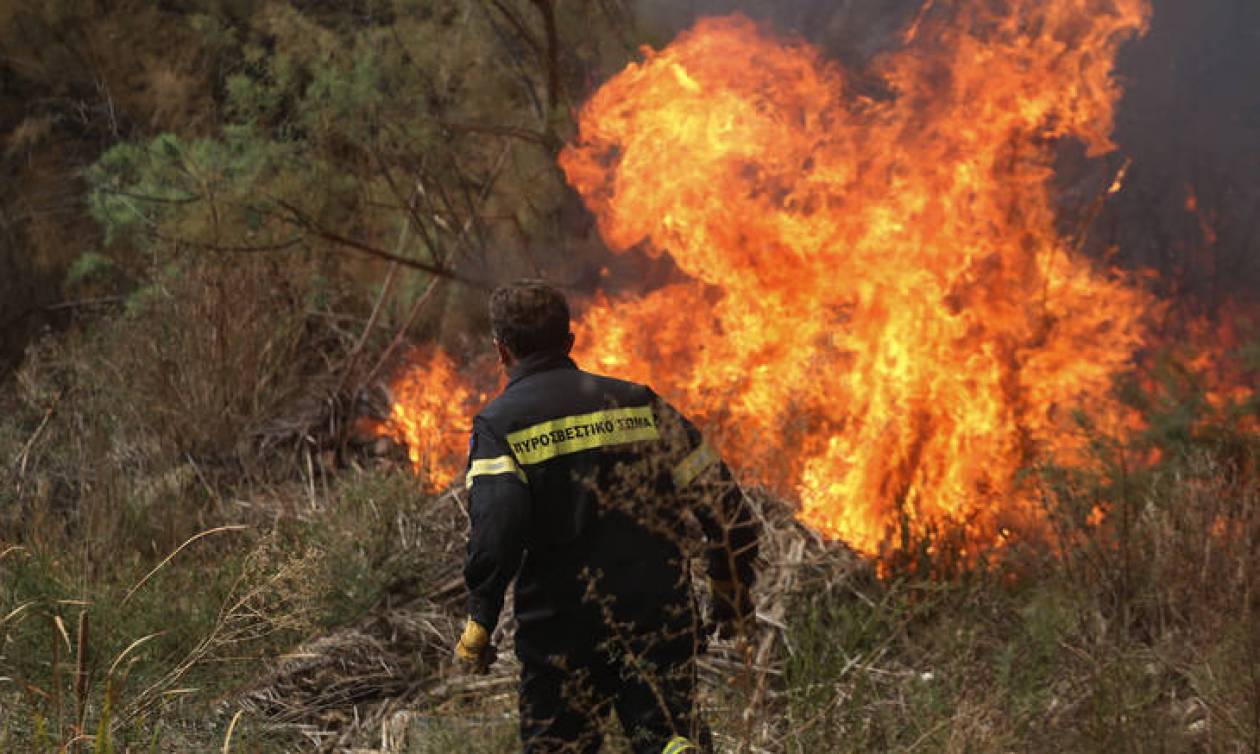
column 594, row 493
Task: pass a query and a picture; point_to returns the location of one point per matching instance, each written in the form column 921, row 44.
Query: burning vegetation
column 899, row 327
column 429, row 415
column 882, row 318
column 907, row 295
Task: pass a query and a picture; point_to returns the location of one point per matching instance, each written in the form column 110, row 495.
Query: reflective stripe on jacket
column 578, row 481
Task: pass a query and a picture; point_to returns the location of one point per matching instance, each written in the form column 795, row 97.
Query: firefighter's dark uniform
column 589, row 490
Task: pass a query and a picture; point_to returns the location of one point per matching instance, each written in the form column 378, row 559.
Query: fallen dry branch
column 353, row 689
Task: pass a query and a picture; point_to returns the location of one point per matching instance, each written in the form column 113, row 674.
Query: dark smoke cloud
column 1190, row 121
column 849, row 30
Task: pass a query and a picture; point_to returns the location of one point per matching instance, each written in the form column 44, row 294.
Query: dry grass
column 237, row 566
column 841, row 661
column 343, row 689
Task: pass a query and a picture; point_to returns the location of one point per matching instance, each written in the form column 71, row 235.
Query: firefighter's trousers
column 649, row 679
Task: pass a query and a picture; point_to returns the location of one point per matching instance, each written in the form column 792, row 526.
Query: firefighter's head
column 529, row 317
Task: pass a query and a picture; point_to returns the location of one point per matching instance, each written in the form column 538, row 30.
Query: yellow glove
column 679, row 745
column 474, row 648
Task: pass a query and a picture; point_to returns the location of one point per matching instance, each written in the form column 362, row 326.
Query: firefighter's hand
column 733, row 609
column 474, row 652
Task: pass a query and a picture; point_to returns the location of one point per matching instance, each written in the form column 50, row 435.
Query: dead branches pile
column 363, row 685
column 333, row 688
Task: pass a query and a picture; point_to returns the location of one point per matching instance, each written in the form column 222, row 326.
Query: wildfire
column 1225, row 384
column 882, row 320
column 430, row 414
column 885, row 322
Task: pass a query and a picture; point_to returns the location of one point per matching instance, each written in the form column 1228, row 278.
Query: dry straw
column 227, row 739
column 176, row 551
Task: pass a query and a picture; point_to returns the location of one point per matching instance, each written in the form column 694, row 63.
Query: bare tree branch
column 534, row 137
column 547, row 9
column 409, row 204
column 516, row 61
column 518, row 25
column 300, row 219
column 206, row 246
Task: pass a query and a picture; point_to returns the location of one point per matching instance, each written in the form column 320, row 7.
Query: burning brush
column 883, row 321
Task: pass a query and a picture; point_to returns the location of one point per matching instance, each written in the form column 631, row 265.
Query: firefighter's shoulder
column 489, row 457
column 615, row 390
column 566, row 413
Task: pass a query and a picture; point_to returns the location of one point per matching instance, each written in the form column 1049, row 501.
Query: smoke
column 851, row 31
column 1190, row 121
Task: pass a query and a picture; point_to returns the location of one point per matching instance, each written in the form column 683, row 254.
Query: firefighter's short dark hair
column 529, row 316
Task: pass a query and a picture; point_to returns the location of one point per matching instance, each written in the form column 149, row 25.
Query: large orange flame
column 883, row 320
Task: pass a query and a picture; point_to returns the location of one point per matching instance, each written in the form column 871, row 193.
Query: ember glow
column 883, row 321
column 1225, row 383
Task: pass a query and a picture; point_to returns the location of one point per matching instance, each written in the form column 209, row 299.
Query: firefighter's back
column 601, row 543
column 576, row 487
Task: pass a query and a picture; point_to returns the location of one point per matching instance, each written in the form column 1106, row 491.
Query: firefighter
column 595, row 494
